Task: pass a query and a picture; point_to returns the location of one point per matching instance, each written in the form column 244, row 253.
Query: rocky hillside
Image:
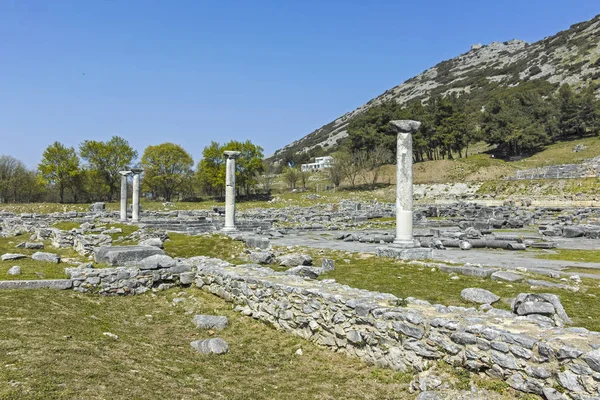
column 571, row 56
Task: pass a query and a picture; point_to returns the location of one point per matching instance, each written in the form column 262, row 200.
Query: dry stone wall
column 411, row 334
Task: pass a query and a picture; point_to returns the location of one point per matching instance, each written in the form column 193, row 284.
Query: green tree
column 515, row 123
column 106, row 159
column 579, row 112
column 60, row 167
column 210, row 173
column 248, row 164
column 291, row 176
column 167, row 170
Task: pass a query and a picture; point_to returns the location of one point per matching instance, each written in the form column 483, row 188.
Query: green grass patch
column 592, row 256
column 577, row 270
column 386, row 275
column 210, row 245
column 52, row 347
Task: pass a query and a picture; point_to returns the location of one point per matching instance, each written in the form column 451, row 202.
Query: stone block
column 57, row 284
column 124, row 255
column 415, row 253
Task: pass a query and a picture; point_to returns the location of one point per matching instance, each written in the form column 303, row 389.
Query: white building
column 319, row 164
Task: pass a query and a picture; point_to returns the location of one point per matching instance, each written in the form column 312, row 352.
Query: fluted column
column 230, row 191
column 124, row 175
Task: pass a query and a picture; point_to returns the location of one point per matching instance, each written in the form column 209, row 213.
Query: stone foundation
column 412, row 253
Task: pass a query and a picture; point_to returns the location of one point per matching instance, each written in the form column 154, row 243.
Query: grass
column 210, row 245
column 380, row 274
column 52, row 347
column 577, row 270
column 573, row 255
column 542, row 187
column 31, row 269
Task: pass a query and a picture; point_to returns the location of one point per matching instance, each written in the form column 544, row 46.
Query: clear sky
column 192, row 71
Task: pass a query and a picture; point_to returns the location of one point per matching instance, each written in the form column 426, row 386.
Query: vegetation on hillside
column 518, row 120
column 570, row 56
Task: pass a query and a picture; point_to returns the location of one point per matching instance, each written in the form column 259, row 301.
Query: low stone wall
column 379, row 328
column 410, row 334
column 131, row 280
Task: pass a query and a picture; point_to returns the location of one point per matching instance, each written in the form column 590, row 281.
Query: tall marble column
column 404, row 246
column 404, row 181
column 230, row 191
column 135, row 206
column 124, row 175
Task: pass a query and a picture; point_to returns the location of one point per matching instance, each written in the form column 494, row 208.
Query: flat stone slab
column 470, row 271
column 479, row 296
column 415, row 253
column 210, row 346
column 218, row 322
column 46, row 257
column 124, row 255
column 57, row 284
column 12, row 256
column 506, row 276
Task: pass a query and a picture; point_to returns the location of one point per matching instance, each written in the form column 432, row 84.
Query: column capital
column 232, row 154
column 125, row 173
column 405, row 126
column 137, row 171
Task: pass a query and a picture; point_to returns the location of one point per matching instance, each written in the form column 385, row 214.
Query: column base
column 405, row 244
column 229, row 229
column 405, row 253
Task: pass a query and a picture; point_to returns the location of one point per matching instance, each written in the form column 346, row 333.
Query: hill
column 571, row 56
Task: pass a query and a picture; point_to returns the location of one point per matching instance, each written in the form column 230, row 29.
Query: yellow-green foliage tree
column 210, row 173
column 105, row 160
column 167, row 170
column 60, row 167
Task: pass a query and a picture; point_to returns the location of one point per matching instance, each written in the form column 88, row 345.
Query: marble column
column 230, row 191
column 135, row 206
column 404, row 246
column 124, row 175
column 404, row 181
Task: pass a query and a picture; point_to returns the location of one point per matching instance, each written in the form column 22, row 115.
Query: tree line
column 519, row 120
column 91, row 172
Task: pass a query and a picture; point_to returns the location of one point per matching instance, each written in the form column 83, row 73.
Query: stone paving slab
column 57, row 284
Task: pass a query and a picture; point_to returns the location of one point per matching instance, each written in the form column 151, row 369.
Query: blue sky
column 192, row 71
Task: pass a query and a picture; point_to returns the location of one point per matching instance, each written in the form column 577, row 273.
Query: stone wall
column 382, row 329
column 133, row 280
column 590, row 168
column 411, row 334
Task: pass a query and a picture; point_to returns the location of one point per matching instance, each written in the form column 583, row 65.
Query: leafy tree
column 167, row 170
column 106, row 159
column 210, row 173
column 291, row 176
column 248, row 164
column 513, row 124
column 579, row 112
column 60, row 167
